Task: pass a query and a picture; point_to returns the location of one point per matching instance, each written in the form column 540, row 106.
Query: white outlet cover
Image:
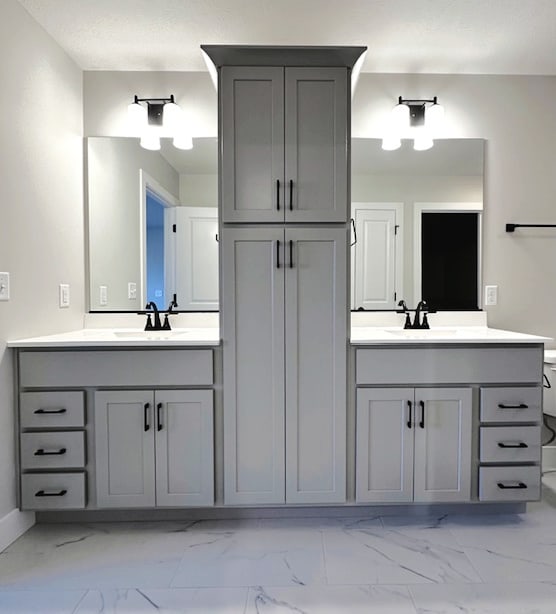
column 491, row 295
column 64, row 295
column 131, row 290
column 4, row 286
column 103, row 295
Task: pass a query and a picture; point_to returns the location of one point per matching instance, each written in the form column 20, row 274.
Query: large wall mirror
column 152, row 225
column 416, row 230
column 416, row 225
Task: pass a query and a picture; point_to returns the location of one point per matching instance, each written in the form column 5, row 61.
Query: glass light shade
column 150, row 139
column 171, row 117
column 423, row 141
column 137, row 116
column 400, row 117
column 389, row 143
column 183, row 140
column 434, row 117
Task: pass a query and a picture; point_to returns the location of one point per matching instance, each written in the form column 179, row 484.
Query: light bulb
column 137, row 116
column 150, row 139
column 183, row 140
column 423, row 141
column 389, row 143
column 434, row 117
column 400, row 116
column 171, row 117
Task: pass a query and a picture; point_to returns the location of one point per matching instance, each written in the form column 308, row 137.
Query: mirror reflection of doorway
column 155, row 249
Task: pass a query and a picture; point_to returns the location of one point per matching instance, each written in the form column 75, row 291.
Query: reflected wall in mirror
column 416, row 224
column 152, row 225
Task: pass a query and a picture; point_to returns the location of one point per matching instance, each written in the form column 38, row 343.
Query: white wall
column 41, row 201
column 199, row 190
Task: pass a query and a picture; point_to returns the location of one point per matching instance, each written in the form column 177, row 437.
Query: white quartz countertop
column 376, row 335
column 124, row 337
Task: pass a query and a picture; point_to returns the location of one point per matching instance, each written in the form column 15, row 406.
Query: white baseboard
column 14, row 525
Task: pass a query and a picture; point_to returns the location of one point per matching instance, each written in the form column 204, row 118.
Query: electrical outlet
column 64, row 295
column 491, row 295
column 103, row 295
column 131, row 290
column 4, row 286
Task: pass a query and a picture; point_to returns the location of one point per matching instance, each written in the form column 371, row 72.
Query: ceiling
column 416, row 36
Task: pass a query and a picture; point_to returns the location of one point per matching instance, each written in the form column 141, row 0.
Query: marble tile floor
column 491, row 564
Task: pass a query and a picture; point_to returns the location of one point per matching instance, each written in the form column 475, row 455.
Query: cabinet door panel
column 184, row 448
column 384, row 453
column 253, row 348
column 124, row 450
column 252, row 132
column 316, row 295
column 443, row 446
column 316, row 144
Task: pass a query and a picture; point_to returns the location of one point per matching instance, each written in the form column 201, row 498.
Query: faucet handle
column 149, row 324
column 166, row 325
column 425, row 323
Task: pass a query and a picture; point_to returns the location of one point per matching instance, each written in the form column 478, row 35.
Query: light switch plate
column 491, row 295
column 131, row 290
column 4, row 286
column 64, row 295
column 103, row 295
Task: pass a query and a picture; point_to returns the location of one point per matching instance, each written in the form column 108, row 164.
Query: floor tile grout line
column 473, row 567
column 76, row 607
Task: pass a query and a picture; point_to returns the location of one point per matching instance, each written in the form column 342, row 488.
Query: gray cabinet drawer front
column 41, row 491
column 116, row 368
column 57, row 409
column 511, row 404
column 509, row 483
column 450, row 365
column 510, row 444
column 53, row 450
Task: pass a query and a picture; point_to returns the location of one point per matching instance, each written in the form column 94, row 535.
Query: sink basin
column 150, row 334
column 432, row 333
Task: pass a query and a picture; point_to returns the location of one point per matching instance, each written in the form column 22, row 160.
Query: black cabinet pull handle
column 291, row 254
column 62, row 410
column 43, row 493
column 354, row 233
column 277, row 194
column 277, row 254
column 159, row 417
column 410, row 419
column 518, row 406
column 291, row 194
column 146, row 424
column 501, row 444
column 422, row 422
column 517, row 486
column 42, row 452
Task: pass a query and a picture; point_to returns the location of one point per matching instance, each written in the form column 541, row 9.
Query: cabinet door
column 252, row 140
column 316, row 330
column 184, row 448
column 124, row 449
column 443, row 444
column 253, row 348
column 384, row 453
column 316, row 144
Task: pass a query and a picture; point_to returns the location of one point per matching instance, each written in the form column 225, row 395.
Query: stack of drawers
column 52, row 450
column 510, row 444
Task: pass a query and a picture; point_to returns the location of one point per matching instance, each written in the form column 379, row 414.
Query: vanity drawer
column 511, row 404
column 510, row 483
column 510, row 444
column 41, row 491
column 56, row 409
column 53, row 450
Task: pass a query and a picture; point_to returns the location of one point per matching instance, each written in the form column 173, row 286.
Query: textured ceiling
column 426, row 36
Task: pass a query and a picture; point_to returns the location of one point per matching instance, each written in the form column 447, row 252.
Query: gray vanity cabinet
column 413, row 445
column 284, row 344
column 284, row 133
column 154, row 448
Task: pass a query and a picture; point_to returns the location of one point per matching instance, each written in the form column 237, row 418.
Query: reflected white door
column 197, row 258
column 376, row 256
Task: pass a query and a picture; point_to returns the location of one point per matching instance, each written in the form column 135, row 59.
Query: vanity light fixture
column 152, row 118
column 419, row 119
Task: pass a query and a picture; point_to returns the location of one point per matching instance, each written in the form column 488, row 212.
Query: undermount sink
column 150, row 334
column 425, row 333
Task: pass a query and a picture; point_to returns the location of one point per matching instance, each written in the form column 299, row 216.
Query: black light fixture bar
column 417, row 108
column 155, row 107
column 512, row 227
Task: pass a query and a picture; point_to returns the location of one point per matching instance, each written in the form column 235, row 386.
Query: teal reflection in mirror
column 139, row 251
column 394, row 196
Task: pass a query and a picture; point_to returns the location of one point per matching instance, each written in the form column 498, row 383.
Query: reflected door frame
column 447, row 207
column 149, row 184
column 397, row 268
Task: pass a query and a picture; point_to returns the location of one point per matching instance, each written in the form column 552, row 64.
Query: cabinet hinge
column 395, row 296
column 396, row 226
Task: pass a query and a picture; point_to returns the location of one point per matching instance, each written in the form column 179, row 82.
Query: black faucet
column 405, row 310
column 422, row 307
column 157, row 323
column 173, row 303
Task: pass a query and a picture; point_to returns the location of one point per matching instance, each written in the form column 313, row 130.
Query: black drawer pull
column 146, row 425
column 43, row 493
column 291, row 194
column 518, row 406
column 51, row 411
column 422, row 422
column 517, row 486
column 278, row 194
column 42, row 452
column 410, row 419
column 501, row 444
column 159, row 424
